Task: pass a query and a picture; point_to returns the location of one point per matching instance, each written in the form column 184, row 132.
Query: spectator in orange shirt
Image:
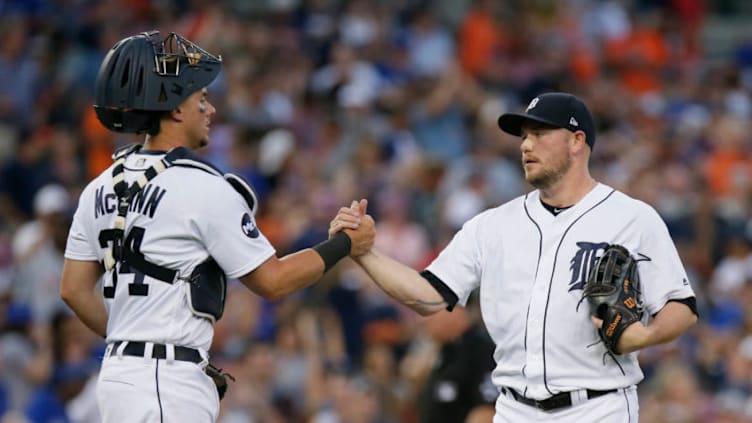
column 480, row 39
column 729, row 162
column 641, row 57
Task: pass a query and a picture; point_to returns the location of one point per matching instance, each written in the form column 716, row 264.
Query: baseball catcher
column 613, row 292
column 164, row 229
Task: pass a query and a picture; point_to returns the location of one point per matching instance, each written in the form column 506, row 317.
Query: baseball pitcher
column 575, row 277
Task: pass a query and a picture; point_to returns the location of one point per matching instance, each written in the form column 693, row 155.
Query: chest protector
column 207, row 285
column 207, row 289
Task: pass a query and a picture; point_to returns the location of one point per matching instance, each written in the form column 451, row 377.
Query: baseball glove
column 219, row 378
column 613, row 292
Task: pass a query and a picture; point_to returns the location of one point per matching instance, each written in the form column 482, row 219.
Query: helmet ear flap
column 132, row 121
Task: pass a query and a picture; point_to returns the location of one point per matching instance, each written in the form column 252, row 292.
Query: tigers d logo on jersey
column 582, row 262
column 249, row 228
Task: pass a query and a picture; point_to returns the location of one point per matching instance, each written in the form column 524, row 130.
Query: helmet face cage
column 176, row 51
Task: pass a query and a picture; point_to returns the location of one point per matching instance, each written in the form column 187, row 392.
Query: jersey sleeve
column 229, row 232
column 81, row 245
column 662, row 274
column 458, row 264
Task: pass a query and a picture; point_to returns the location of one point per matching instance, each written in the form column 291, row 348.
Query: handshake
column 358, row 225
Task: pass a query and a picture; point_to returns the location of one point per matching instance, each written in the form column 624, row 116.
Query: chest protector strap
column 125, row 194
column 244, row 189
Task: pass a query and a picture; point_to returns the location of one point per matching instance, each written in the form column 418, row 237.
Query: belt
column 137, row 349
column 560, row 400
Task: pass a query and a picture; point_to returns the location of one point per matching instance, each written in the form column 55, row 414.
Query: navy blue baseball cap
column 560, row 110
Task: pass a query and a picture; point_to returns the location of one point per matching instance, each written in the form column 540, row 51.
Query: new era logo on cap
column 560, row 110
column 532, row 104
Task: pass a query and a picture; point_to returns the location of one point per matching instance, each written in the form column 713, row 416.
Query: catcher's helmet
column 143, row 74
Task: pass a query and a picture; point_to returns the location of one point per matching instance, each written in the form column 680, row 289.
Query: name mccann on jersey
column 145, row 202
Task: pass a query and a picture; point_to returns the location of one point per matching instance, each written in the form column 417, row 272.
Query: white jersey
column 182, row 217
column 531, row 267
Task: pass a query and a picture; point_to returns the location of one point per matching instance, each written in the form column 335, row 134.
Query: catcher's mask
column 142, row 74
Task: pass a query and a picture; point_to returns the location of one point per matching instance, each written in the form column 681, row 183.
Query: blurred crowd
column 324, row 101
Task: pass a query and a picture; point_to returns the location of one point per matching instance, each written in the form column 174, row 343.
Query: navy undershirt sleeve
column 446, row 292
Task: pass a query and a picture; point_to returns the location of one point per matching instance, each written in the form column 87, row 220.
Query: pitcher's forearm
column 673, row 320
column 402, row 283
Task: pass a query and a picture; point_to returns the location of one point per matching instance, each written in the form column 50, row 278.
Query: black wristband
column 334, row 249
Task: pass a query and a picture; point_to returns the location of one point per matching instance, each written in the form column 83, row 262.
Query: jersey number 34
column 133, row 242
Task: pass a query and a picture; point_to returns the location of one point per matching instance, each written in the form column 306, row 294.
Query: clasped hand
column 358, row 225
